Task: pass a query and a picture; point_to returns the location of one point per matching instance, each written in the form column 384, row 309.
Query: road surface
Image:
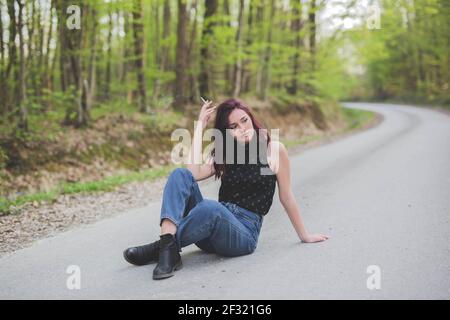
column 383, row 195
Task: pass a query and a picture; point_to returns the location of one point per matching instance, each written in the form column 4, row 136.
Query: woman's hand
column 309, row 238
column 205, row 112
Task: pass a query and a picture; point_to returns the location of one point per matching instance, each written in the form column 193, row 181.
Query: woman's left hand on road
column 315, row 238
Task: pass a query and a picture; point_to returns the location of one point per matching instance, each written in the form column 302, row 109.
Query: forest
column 70, row 56
column 70, row 69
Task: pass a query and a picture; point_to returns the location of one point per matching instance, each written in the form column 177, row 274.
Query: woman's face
column 241, row 125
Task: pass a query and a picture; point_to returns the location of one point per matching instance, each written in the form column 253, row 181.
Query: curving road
column 383, row 195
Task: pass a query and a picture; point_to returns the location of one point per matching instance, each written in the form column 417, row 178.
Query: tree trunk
column 77, row 63
column 46, row 76
column 260, row 54
column 3, row 80
column 89, row 83
column 40, row 50
column 126, row 52
column 157, row 51
column 23, row 112
column 193, row 85
column 165, row 36
column 12, row 92
column 31, row 47
column 265, row 81
column 71, row 63
column 246, row 75
column 2, row 55
column 238, row 67
column 164, row 58
column 205, row 77
column 64, row 63
column 312, row 33
column 229, row 68
column 12, row 54
column 108, row 55
column 180, row 60
column 139, row 55
column 295, row 28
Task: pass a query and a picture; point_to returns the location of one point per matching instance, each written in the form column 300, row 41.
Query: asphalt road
column 383, row 195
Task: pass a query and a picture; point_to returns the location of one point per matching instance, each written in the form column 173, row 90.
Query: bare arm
column 200, row 170
column 287, row 198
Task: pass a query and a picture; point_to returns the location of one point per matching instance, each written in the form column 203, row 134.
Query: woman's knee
column 181, row 177
column 181, row 172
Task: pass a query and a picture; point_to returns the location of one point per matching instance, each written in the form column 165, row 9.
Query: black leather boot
column 169, row 258
column 142, row 255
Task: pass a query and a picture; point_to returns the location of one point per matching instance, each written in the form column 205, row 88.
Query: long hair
column 222, row 123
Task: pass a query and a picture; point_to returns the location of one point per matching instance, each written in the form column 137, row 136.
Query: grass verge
column 9, row 206
column 354, row 118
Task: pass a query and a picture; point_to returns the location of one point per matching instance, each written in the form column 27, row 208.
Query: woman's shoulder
column 276, row 151
column 275, row 146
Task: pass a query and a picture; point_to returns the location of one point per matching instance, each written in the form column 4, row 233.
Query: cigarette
column 202, row 99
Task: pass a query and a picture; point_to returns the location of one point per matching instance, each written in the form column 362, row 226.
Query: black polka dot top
column 249, row 183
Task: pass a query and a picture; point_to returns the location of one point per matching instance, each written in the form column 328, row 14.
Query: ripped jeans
column 215, row 227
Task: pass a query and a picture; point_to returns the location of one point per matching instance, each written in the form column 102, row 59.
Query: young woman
column 231, row 225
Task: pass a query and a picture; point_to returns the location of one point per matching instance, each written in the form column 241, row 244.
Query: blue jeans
column 216, row 227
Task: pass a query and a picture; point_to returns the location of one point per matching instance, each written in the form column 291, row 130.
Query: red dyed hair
column 222, row 123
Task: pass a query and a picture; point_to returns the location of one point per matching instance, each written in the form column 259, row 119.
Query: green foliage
column 356, row 118
column 105, row 61
column 408, row 57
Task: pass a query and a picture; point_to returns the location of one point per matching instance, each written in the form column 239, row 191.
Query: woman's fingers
column 207, row 105
column 211, row 110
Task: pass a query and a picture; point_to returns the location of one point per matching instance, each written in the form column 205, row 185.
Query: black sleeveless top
column 250, row 184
